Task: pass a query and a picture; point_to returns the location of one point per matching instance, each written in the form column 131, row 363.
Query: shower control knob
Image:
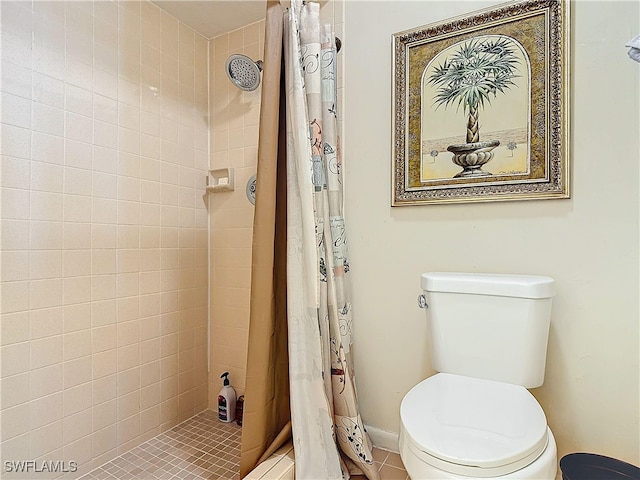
column 422, row 301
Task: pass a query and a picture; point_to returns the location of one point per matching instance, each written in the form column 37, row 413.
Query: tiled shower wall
column 104, row 228
column 234, row 143
column 234, row 140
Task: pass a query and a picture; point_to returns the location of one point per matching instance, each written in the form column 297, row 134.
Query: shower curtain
column 328, row 433
column 267, row 419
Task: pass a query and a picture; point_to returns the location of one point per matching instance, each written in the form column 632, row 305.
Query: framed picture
column 481, row 106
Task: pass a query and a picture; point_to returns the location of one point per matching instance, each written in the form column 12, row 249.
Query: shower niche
column 221, row 180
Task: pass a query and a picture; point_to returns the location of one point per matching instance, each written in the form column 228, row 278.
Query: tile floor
column 201, row 447
column 204, row 448
column 389, row 465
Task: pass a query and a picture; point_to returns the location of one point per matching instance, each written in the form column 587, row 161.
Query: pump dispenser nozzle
column 225, row 375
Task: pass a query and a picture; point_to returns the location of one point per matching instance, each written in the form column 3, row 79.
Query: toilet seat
column 473, row 427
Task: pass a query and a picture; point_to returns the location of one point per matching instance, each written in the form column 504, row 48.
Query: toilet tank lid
column 505, row 285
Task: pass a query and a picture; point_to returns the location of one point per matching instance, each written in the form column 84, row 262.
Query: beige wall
column 234, row 144
column 234, row 139
column 104, row 227
column 589, row 243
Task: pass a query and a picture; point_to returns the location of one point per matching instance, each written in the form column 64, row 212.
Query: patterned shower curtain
column 324, row 409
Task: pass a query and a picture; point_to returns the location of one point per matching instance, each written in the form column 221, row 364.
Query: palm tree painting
column 472, row 75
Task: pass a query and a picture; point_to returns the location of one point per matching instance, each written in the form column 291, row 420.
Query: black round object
column 589, row 466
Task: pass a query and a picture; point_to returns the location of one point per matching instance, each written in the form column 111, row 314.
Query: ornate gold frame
column 547, row 46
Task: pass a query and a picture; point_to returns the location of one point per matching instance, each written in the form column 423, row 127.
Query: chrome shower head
column 244, row 72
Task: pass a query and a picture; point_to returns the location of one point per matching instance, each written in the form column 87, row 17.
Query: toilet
column 475, row 418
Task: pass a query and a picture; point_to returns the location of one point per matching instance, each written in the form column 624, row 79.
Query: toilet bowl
column 475, row 418
column 456, row 427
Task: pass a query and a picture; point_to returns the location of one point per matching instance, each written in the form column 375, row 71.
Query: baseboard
column 382, row 438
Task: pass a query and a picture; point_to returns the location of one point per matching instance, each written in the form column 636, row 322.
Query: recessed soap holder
column 221, row 180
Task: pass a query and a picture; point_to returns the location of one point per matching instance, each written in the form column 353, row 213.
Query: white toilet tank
column 489, row 326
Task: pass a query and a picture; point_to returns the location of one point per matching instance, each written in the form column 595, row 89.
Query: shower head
column 244, row 72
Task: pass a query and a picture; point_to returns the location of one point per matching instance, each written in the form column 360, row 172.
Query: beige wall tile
column 77, row 181
column 76, row 209
column 46, row 351
column 150, row 326
column 77, row 398
column 77, row 236
column 128, row 381
column 14, row 234
column 76, row 263
column 45, row 410
column 149, row 418
column 128, row 404
column 76, row 344
column 149, row 351
column 103, row 236
column 46, row 322
column 128, row 429
column 15, row 203
column 150, row 395
column 104, row 210
column 76, row 290
column 150, row 373
column 103, row 444
column 103, row 363
column 46, row 439
column 15, row 266
column 103, row 338
column 16, row 110
column 104, row 414
column 128, row 357
column 17, row 80
column 127, row 285
column 103, row 389
column 16, row 142
column 103, row 262
column 77, row 154
column 45, row 293
column 46, row 177
column 76, row 426
column 46, row 235
column 169, row 345
column 47, row 119
column 15, row 359
column 128, row 308
column 128, row 236
column 14, row 390
column 103, row 287
column 76, row 317
column 80, row 451
column 76, row 372
column 45, row 381
column 17, row 447
column 15, row 421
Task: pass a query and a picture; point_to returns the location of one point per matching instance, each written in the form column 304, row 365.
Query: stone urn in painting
column 472, row 156
column 471, row 77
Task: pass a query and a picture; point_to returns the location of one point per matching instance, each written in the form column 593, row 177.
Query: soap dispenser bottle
column 226, row 401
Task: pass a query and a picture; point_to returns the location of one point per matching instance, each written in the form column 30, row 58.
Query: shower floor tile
column 201, row 447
